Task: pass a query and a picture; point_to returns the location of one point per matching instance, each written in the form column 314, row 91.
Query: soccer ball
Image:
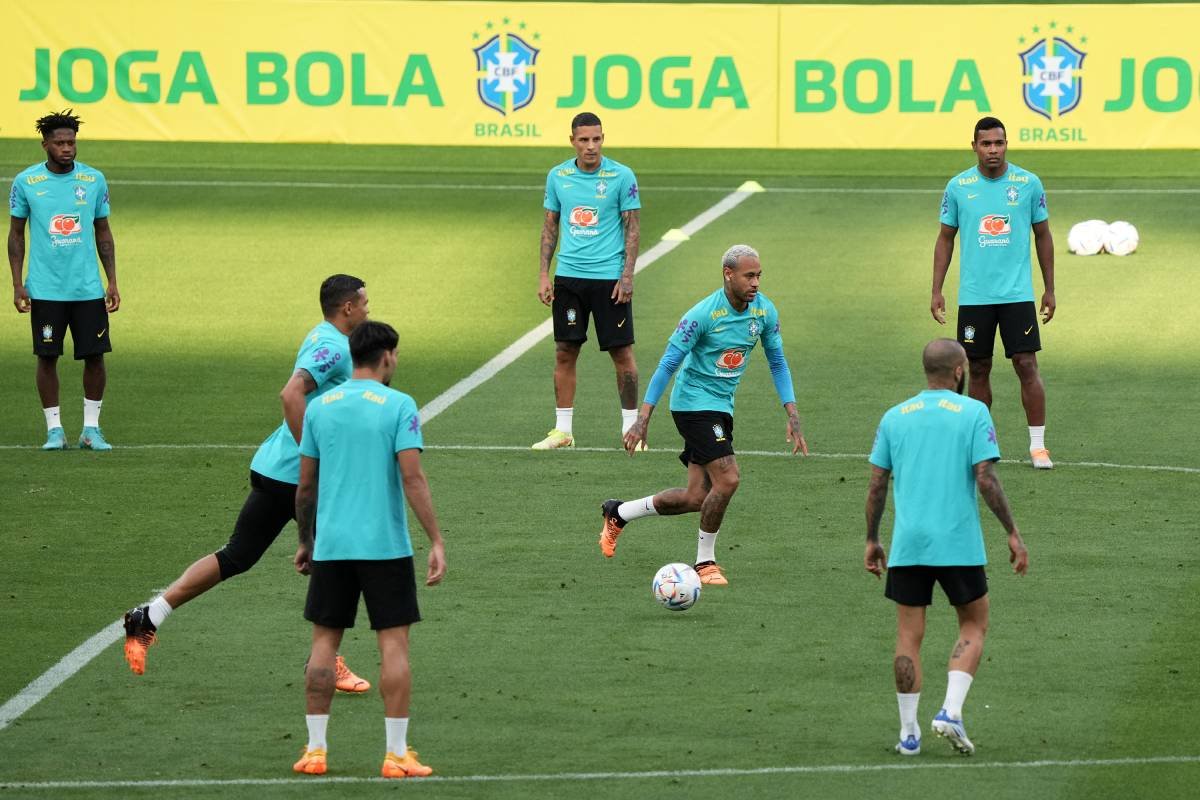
column 1122, row 238
column 676, row 587
column 1087, row 238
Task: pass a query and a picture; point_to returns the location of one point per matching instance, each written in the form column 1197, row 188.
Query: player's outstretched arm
column 16, row 262
column 416, row 489
column 549, row 242
column 874, row 558
column 993, row 494
column 306, row 512
column 943, row 251
column 795, row 435
column 1043, row 242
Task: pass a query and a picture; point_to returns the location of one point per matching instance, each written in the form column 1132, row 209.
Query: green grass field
column 538, row 657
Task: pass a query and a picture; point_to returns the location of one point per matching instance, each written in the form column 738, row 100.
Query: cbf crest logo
column 969, row 334
column 755, row 328
column 1053, row 70
column 507, row 75
column 719, row 432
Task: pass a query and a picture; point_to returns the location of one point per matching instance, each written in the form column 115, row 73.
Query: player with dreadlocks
column 65, row 203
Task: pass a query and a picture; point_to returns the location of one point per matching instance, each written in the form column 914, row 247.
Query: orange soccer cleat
column 139, row 635
column 405, row 766
column 612, row 527
column 312, row 762
column 710, row 574
column 347, row 681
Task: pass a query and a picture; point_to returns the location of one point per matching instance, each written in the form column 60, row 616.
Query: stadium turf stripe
column 522, row 345
column 764, row 453
column 54, row 677
column 816, row 769
column 511, row 187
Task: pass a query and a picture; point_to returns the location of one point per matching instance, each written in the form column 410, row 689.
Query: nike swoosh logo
column 621, row 323
column 102, row 330
column 972, row 196
column 1027, row 330
column 718, row 330
column 39, row 194
column 566, row 186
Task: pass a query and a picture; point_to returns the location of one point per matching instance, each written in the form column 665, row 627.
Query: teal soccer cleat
column 56, row 439
column 93, row 439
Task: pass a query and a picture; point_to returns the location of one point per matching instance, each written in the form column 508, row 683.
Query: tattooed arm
column 623, row 291
column 306, row 512
column 874, row 558
column 993, row 494
column 107, row 249
column 549, row 242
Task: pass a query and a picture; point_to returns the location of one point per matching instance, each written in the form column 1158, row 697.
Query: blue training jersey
column 718, row 341
column 62, row 211
column 356, row 431
column 931, row 443
column 994, row 218
column 325, row 356
column 591, row 241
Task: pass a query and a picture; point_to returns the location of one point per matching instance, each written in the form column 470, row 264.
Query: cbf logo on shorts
column 47, row 333
column 507, row 80
column 969, row 334
column 719, row 432
column 1053, row 85
column 994, row 230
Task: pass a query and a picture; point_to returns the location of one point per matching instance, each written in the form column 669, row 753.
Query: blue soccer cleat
column 93, row 439
column 953, row 730
column 909, row 746
column 56, row 439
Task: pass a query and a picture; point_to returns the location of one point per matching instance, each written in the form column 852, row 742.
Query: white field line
column 522, row 345
column 80, row 656
column 52, row 678
column 511, row 187
column 755, row 453
column 817, row 769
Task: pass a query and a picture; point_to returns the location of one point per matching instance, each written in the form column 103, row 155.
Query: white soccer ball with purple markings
column 676, row 587
column 1087, row 238
column 1122, row 238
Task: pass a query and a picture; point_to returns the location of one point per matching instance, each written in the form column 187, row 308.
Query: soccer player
column 66, row 205
column 594, row 276
column 322, row 364
column 713, row 343
column 995, row 204
column 941, row 446
column 360, row 458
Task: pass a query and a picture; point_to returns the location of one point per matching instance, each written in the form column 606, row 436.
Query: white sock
column 397, row 734
column 159, row 609
column 1037, row 437
column 636, row 509
column 53, row 418
column 705, row 545
column 628, row 417
column 908, row 714
column 91, row 413
column 562, row 417
column 316, row 730
column 957, row 685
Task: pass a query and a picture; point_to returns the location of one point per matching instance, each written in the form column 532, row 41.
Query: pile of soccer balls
column 1090, row 237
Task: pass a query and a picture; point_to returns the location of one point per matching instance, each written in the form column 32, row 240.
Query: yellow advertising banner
column 659, row 75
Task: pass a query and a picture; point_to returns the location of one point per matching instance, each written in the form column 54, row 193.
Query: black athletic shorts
column 575, row 299
column 707, row 435
column 1018, row 328
column 913, row 586
column 87, row 319
column 389, row 588
column 270, row 505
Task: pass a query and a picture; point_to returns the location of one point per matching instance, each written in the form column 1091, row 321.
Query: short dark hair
column 48, row 124
column 337, row 289
column 988, row 124
column 583, row 120
column 370, row 340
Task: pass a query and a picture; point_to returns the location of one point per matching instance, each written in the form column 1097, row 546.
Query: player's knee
column 728, row 482
column 565, row 353
column 1026, row 366
column 980, row 367
column 232, row 563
